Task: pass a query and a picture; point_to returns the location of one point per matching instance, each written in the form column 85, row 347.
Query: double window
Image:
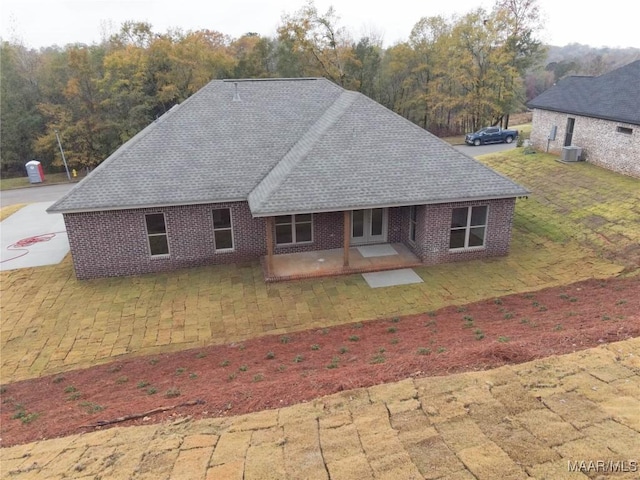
column 294, row 229
column 157, row 234
column 468, row 227
column 222, row 229
column 413, row 222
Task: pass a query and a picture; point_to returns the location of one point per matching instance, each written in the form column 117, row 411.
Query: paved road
column 484, row 149
column 45, row 193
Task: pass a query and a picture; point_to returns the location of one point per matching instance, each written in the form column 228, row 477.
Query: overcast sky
column 38, row 23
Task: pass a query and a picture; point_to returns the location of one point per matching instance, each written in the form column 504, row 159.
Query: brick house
column 601, row 115
column 249, row 169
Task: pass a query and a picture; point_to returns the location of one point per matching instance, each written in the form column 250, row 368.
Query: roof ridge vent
column 236, row 95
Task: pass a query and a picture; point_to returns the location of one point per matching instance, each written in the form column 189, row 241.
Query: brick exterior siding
column 599, row 139
column 433, row 230
column 115, row 243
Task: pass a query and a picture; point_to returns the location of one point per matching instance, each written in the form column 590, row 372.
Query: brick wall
column 115, row 243
column 434, row 225
column 600, row 141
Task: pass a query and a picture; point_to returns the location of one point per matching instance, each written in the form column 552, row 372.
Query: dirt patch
column 277, row 371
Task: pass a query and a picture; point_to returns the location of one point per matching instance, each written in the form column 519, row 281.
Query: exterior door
column 369, row 226
column 568, row 136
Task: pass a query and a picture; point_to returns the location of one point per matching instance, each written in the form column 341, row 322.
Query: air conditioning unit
column 571, row 154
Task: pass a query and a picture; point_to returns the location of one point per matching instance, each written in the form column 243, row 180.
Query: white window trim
column 467, row 230
column 413, row 223
column 293, row 231
column 149, row 235
column 233, row 239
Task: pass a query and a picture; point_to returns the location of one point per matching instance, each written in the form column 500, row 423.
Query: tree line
column 451, row 75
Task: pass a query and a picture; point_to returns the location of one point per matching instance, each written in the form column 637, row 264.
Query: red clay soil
column 275, row 371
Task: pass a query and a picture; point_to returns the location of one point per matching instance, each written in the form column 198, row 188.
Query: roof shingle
column 613, row 96
column 288, row 145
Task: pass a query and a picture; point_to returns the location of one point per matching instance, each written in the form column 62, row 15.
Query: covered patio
column 321, row 263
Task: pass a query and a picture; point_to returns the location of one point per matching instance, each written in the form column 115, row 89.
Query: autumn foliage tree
column 451, row 75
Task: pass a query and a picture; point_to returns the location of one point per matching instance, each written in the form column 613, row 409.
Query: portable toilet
column 35, row 172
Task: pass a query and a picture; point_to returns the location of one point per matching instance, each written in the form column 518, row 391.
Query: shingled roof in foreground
column 286, row 146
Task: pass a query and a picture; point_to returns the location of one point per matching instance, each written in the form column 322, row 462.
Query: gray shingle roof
column 613, row 96
column 286, row 146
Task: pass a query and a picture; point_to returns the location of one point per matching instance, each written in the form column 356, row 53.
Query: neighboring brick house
column 601, row 115
column 245, row 169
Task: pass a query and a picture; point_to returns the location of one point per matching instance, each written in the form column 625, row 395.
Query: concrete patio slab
column 390, row 278
column 382, row 250
column 32, row 238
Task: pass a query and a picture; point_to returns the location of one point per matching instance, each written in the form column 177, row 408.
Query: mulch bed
column 276, row 371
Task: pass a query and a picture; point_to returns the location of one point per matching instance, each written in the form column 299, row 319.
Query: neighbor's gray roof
column 613, row 96
column 286, row 146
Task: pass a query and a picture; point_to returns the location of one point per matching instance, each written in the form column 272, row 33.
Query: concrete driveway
column 484, row 149
column 31, row 238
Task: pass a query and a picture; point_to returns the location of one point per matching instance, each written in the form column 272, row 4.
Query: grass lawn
column 578, row 202
column 580, row 222
column 22, row 182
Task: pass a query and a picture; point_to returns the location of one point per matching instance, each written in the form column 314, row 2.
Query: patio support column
column 347, row 235
column 269, row 223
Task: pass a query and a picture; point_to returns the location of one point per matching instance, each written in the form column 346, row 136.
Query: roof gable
column 613, row 96
column 285, row 145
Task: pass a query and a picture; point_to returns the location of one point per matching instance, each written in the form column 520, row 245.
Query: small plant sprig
column 172, row 393
column 378, row 357
column 92, row 407
column 334, row 363
column 24, row 416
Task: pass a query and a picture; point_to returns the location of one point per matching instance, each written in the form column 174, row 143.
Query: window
column 157, row 234
column 568, row 134
column 625, row 130
column 222, row 230
column 413, row 222
column 468, row 227
column 294, row 229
